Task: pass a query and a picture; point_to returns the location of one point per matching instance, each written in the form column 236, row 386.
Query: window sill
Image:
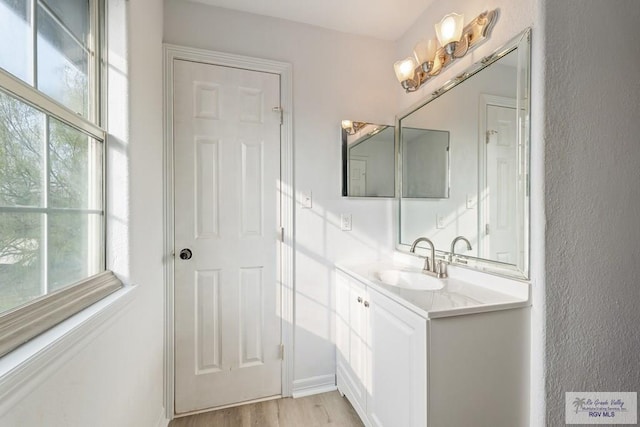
column 29, row 365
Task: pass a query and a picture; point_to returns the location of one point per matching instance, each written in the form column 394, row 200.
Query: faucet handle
column 441, row 269
column 427, row 265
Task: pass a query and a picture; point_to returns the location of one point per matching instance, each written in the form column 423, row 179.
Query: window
column 48, row 45
column 52, row 214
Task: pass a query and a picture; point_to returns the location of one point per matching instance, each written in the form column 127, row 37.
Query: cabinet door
column 350, row 336
column 397, row 367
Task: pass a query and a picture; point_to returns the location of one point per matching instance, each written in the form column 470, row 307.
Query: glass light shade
column 347, row 124
column 405, row 69
column 450, row 28
column 425, row 51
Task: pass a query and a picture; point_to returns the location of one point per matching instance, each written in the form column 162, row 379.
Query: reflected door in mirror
column 499, row 238
column 368, row 160
column 357, row 177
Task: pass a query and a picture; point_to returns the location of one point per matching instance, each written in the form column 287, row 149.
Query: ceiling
column 382, row 19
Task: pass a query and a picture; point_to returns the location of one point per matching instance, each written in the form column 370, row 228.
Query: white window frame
column 21, row 324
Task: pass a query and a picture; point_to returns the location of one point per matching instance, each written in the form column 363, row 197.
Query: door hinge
column 282, row 234
column 282, row 351
column 279, row 110
column 486, row 229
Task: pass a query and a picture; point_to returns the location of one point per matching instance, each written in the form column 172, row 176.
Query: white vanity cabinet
column 381, row 356
column 351, row 337
column 456, row 357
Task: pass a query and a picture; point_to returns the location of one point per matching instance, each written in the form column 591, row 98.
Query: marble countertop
column 461, row 293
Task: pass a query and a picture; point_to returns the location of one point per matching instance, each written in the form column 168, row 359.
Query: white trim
column 25, row 322
column 284, row 70
column 47, row 105
column 314, row 385
column 28, row 366
column 163, row 421
column 231, row 405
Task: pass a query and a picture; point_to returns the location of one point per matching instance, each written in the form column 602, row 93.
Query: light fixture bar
column 473, row 34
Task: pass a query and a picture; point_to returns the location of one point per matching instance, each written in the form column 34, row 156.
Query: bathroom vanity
column 414, row 350
column 435, row 352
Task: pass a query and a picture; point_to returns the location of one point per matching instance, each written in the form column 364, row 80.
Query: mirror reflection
column 485, row 119
column 368, row 159
column 425, row 163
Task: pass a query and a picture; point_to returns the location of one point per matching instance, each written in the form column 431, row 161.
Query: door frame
column 485, row 101
column 285, row 204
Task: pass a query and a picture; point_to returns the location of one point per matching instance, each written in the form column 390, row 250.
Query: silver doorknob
column 186, row 254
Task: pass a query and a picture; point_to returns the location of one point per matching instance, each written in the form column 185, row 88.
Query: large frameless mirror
column 368, row 160
column 484, row 114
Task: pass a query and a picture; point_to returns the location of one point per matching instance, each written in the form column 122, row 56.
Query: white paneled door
column 501, row 238
column 226, row 125
column 357, row 177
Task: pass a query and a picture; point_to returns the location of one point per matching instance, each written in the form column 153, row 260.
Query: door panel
column 350, row 340
column 207, row 314
column 226, row 168
column 357, row 338
column 251, row 195
column 397, row 386
column 207, row 179
column 251, row 317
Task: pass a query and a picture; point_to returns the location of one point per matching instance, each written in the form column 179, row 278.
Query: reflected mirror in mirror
column 486, row 116
column 425, row 163
column 368, row 160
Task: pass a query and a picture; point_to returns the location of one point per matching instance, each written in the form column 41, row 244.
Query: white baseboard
column 162, row 419
column 314, row 385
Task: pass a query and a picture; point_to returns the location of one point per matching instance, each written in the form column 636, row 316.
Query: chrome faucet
column 429, row 262
column 453, row 245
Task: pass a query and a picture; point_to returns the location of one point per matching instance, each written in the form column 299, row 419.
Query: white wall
column 335, row 76
column 515, row 16
column 592, row 180
column 116, row 378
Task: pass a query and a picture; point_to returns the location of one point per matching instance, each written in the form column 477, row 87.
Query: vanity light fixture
column 455, row 42
column 449, row 32
column 352, row 127
column 425, row 52
column 405, row 72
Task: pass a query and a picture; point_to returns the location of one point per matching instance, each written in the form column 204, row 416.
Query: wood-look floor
column 327, row 409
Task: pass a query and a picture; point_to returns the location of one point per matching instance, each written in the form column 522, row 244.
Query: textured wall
column 592, row 178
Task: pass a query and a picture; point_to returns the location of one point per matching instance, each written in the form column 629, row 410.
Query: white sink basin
column 414, row 280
